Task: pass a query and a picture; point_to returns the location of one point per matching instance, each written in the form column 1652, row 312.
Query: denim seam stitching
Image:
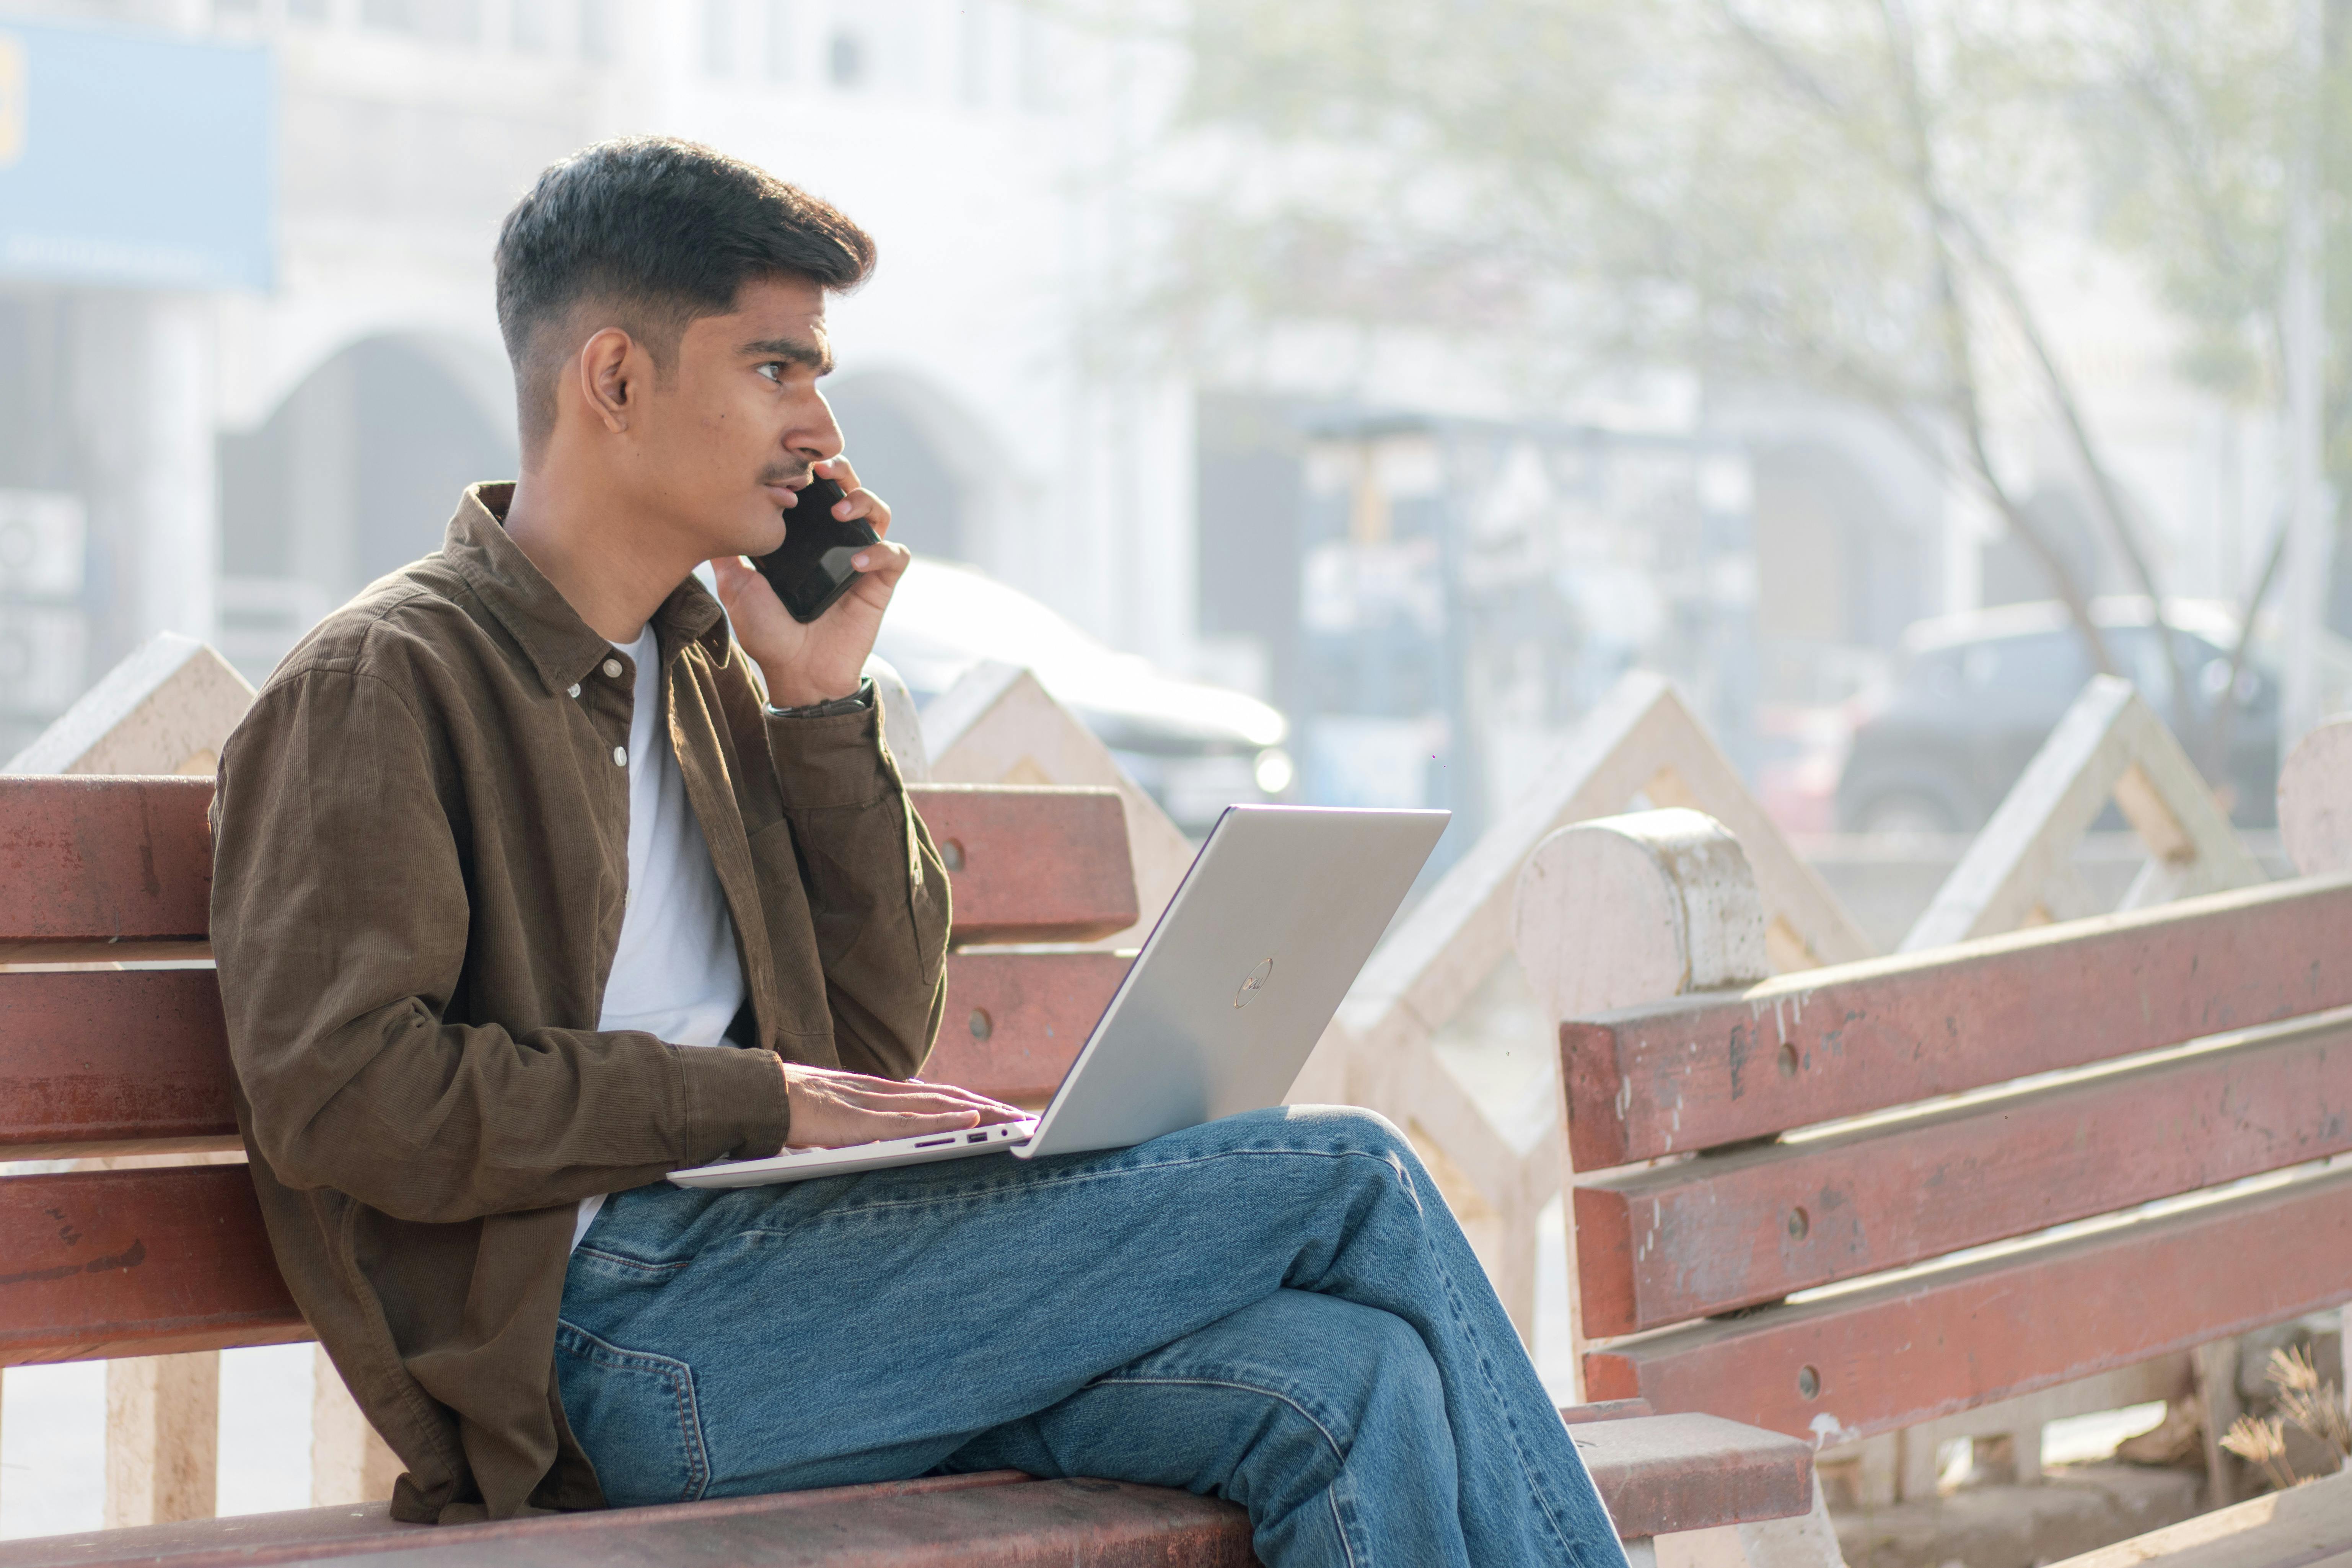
column 583, row 1249
column 679, row 1374
column 1339, row 1453
column 1486, row 1374
column 1502, row 1408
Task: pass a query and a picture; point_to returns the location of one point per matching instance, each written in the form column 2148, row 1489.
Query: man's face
column 730, row 430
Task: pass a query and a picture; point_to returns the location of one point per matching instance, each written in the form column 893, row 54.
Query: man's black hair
column 659, row 231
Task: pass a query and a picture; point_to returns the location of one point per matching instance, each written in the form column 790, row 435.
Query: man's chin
column 763, row 538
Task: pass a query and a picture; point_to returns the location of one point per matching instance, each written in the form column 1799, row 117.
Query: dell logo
column 1253, row 982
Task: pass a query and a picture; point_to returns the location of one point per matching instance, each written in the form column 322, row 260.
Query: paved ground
column 2078, row 1509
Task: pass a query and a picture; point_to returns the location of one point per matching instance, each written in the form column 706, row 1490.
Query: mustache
column 795, row 475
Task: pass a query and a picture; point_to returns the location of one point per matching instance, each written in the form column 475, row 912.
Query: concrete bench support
column 349, row 1462
column 162, row 1438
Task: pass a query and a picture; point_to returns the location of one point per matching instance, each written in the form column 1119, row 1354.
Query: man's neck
column 609, row 565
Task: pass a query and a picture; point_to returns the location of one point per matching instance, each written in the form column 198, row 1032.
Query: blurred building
column 1766, row 546
column 1437, row 598
column 248, row 352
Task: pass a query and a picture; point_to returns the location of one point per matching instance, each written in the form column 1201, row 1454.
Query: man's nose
column 819, row 434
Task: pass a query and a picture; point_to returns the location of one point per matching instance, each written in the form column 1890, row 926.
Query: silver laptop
column 1217, row 1014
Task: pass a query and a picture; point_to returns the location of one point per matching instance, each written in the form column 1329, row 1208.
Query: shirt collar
column 562, row 648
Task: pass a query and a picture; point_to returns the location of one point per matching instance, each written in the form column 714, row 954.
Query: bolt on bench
column 2021, row 1161
column 164, row 1259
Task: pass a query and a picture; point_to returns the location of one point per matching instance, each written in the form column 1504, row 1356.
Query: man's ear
column 609, row 364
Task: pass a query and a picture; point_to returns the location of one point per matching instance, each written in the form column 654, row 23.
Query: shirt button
column 620, row 756
column 574, row 691
column 613, row 668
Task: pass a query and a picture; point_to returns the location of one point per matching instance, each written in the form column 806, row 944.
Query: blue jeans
column 1275, row 1308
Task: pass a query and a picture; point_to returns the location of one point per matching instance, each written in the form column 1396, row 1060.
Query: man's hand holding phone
column 817, row 660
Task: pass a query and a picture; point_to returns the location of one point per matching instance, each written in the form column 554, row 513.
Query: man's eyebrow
column 793, row 351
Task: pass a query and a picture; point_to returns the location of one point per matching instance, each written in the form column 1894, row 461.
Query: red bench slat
column 98, row 1062
column 137, row 1262
column 1654, row 1474
column 1028, row 864
column 998, row 1519
column 108, row 1061
column 1032, row 1524
column 1731, row 1230
column 104, row 859
column 1843, row 1041
column 1015, row 1020
column 1659, row 1474
column 1041, row 1004
column 1912, row 1350
column 298, row 1534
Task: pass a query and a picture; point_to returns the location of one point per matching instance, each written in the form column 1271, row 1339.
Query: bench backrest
column 2036, row 1163
column 134, row 1060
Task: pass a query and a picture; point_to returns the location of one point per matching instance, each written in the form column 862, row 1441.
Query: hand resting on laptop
column 832, row 1108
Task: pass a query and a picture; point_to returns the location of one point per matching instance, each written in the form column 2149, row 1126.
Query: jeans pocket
column 634, row 1413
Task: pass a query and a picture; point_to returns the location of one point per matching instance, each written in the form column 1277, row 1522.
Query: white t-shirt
column 674, row 974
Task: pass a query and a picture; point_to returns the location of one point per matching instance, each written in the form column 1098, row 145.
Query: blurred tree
column 2193, row 113
column 1840, row 195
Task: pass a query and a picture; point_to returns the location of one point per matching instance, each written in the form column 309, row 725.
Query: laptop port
column 975, row 1138
column 932, row 1143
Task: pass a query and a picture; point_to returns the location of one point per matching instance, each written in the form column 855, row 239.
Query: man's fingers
column 856, row 500
column 845, row 1126
column 832, row 1107
column 906, row 1123
column 925, row 1104
column 972, row 1097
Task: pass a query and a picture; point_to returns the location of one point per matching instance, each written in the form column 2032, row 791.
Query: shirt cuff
column 856, row 701
column 736, row 1102
column 831, row 759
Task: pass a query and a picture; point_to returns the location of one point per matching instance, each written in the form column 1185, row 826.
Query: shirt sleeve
column 340, row 927
column 878, row 891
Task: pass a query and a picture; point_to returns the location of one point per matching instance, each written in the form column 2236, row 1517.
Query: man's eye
column 773, row 371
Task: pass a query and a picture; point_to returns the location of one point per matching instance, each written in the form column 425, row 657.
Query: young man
column 526, row 895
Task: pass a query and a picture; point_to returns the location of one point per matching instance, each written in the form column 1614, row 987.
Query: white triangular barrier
column 1492, row 1129
column 167, row 709
column 2109, row 746
column 998, row 725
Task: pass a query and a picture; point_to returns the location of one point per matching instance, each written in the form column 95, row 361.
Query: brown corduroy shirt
column 421, row 861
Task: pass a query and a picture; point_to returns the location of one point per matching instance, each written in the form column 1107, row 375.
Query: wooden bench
column 2020, row 1161
column 173, row 1258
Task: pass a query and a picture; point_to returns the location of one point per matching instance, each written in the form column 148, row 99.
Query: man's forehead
column 781, row 302
column 764, row 324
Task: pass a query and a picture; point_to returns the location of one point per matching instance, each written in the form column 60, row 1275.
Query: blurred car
column 1975, row 696
column 1800, row 751
column 1196, row 748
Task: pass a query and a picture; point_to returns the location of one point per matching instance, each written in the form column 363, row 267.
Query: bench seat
column 1657, row 1475
column 162, row 1259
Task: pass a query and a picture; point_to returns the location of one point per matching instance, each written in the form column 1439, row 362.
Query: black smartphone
column 810, row 568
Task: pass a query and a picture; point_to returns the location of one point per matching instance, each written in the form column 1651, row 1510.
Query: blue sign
column 134, row 160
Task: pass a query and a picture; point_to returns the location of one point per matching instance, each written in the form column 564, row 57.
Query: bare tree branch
column 1959, row 348
column 2125, row 537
